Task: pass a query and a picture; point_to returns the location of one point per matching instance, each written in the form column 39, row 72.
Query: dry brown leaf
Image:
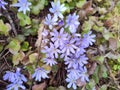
column 86, row 10
column 9, row 26
column 112, row 44
column 92, row 68
column 39, row 86
column 80, row 83
column 41, row 27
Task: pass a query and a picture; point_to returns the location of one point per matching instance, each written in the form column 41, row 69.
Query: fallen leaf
column 112, row 44
column 33, row 57
column 18, row 57
column 92, row 68
column 80, row 83
column 39, row 86
column 41, row 28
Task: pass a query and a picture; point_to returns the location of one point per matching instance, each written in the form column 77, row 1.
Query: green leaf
column 95, row 76
column 4, row 28
column 99, row 59
column 30, row 68
column 24, row 19
column 25, row 46
column 90, row 85
column 38, row 6
column 87, row 26
column 33, row 57
column 61, row 88
column 14, row 46
column 51, row 88
column 104, row 87
column 80, row 3
column 20, row 38
column 103, row 71
column 18, row 57
column 105, row 75
column 107, row 35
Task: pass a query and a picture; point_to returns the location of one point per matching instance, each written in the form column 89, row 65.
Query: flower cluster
column 16, row 79
column 57, row 44
column 70, row 47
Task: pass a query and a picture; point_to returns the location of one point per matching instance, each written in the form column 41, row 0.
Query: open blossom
column 44, row 35
column 23, row 6
column 52, row 50
column 10, row 76
column 71, row 81
column 68, row 47
column 71, row 62
column 51, row 21
column 15, row 77
column 83, row 74
column 49, row 60
column 79, row 51
column 20, row 77
column 15, row 86
column 88, row 39
column 2, row 4
column 82, row 60
column 74, row 72
column 58, row 37
column 40, row 73
column 57, row 9
column 72, row 22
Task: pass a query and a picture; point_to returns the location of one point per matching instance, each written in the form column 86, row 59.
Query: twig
column 112, row 76
column 2, row 41
column 11, row 22
column 6, row 62
column 3, row 82
column 4, row 55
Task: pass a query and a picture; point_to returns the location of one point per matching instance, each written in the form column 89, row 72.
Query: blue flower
column 20, row 77
column 2, row 4
column 15, row 86
column 88, row 39
column 58, row 37
column 82, row 60
column 44, row 35
column 51, row 21
column 23, row 6
column 72, row 22
column 57, row 9
column 74, row 72
column 80, row 51
column 71, row 81
column 71, row 62
column 15, row 76
column 83, row 74
column 53, row 51
column 40, row 73
column 49, row 60
column 68, row 47
column 16, row 79
column 10, row 76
